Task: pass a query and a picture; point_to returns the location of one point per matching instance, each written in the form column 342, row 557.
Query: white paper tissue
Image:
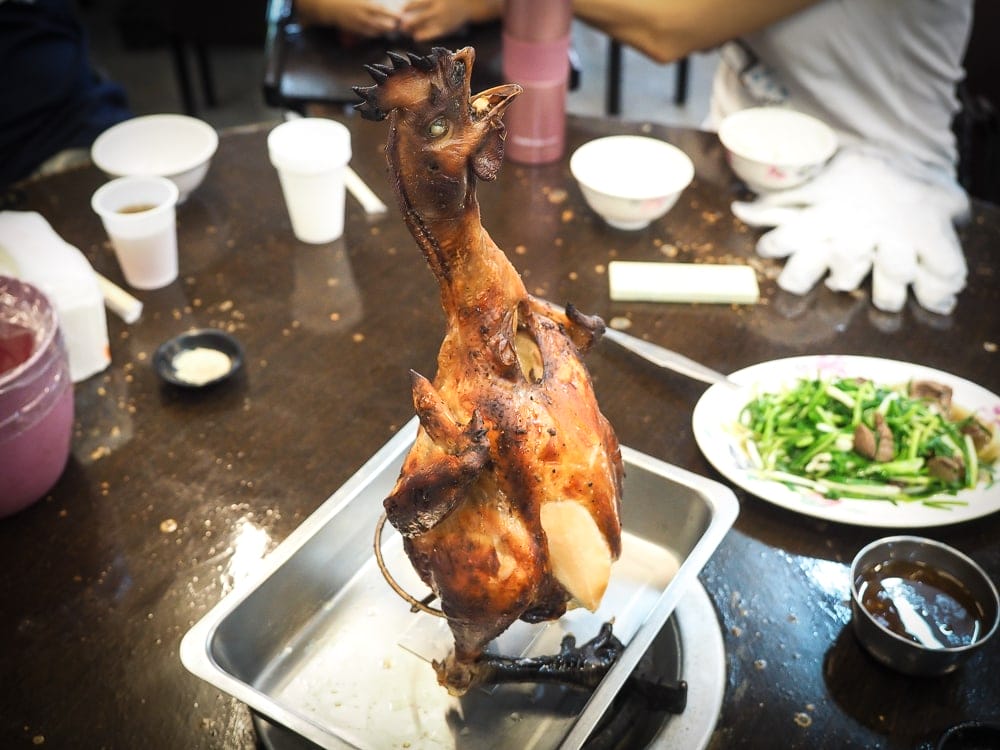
column 31, row 250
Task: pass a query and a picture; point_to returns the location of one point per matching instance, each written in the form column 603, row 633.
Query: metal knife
column 668, row 359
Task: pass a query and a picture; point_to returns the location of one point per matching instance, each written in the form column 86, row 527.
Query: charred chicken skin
column 509, row 499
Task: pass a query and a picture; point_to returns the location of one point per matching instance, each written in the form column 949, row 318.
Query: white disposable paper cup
column 139, row 215
column 311, row 155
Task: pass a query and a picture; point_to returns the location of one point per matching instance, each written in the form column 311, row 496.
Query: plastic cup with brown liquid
column 139, row 215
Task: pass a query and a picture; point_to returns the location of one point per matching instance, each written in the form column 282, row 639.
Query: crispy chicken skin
column 509, row 499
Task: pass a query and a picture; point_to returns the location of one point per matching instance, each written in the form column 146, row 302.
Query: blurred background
column 207, row 58
column 141, row 44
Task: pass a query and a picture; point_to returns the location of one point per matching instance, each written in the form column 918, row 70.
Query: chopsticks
column 120, row 302
column 364, row 194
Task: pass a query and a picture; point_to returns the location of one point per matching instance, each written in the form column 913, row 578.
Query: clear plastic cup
column 311, row 156
column 36, row 396
column 139, row 215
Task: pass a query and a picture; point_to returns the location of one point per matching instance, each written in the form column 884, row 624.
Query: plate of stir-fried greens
column 857, row 440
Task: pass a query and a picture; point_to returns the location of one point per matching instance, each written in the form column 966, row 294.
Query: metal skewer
column 668, row 359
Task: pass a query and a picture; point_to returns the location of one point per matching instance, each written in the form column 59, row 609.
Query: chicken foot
column 575, row 666
column 581, row 666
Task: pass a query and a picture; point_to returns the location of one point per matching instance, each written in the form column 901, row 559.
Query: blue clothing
column 51, row 98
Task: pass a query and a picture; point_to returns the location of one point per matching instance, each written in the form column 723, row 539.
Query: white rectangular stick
column 368, row 200
column 120, row 302
column 682, row 282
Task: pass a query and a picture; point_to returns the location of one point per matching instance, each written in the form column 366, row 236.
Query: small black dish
column 192, row 359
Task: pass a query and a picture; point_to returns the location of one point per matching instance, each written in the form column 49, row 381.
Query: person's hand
column 424, row 20
column 864, row 213
column 367, row 18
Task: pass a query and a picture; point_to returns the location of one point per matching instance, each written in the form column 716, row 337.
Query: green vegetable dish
column 854, row 438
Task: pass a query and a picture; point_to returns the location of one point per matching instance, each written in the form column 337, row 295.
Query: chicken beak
column 492, row 103
column 487, row 110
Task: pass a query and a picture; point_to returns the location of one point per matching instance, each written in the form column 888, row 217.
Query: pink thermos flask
column 536, row 55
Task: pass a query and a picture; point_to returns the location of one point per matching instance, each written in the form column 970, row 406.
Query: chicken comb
column 370, row 107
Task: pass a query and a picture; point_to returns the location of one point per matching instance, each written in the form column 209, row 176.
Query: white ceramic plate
column 716, row 417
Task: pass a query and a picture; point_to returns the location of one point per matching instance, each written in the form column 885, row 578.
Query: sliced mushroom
column 878, row 444
column 947, row 468
column 886, row 450
column 933, row 391
column 864, row 440
column 981, row 437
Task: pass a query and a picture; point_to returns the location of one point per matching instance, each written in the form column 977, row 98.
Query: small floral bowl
column 631, row 180
column 771, row 148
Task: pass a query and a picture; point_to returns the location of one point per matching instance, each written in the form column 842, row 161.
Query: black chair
column 613, row 100
column 318, row 65
column 977, row 126
column 196, row 27
column 315, row 65
column 191, row 29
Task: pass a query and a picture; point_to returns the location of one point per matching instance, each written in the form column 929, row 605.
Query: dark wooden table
column 171, row 497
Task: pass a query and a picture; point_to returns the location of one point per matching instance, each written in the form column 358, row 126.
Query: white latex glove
column 864, row 213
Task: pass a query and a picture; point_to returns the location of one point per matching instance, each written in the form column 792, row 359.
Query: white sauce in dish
column 201, row 365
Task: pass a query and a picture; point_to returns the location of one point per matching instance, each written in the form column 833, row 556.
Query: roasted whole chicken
column 509, row 499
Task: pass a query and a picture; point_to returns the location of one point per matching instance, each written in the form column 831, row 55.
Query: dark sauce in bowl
column 918, row 602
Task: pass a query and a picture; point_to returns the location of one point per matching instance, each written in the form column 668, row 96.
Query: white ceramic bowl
column 771, row 148
column 174, row 146
column 631, row 180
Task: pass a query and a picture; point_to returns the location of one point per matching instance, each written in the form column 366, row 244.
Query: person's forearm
column 314, row 11
column 481, row 11
column 364, row 17
column 667, row 30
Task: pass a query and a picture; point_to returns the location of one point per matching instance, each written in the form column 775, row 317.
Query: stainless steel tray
column 316, row 641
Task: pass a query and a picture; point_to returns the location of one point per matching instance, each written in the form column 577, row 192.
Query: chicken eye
column 437, row 128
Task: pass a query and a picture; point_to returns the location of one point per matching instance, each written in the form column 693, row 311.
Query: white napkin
column 31, row 250
column 867, row 212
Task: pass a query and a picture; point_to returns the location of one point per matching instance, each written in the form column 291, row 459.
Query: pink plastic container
column 536, row 39
column 36, row 396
